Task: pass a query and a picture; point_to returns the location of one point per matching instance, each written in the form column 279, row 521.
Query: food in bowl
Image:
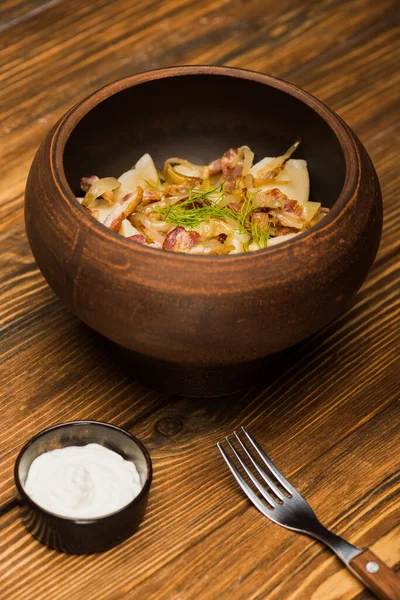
column 225, row 207
column 82, row 482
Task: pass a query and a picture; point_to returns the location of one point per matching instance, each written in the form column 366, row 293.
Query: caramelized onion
column 98, row 188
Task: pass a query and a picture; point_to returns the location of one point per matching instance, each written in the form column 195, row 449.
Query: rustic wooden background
column 331, row 421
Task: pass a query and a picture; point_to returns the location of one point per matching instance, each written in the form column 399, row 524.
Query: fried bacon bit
column 230, row 158
column 261, row 209
column 266, row 200
column 222, row 237
column 276, row 194
column 292, row 206
column 215, row 167
column 139, row 238
column 285, row 230
column 123, row 209
column 150, row 196
column 87, row 182
column 233, row 174
column 289, row 206
column 197, row 204
column 229, row 165
column 261, row 217
column 234, row 206
column 180, row 240
column 232, row 167
column 193, row 183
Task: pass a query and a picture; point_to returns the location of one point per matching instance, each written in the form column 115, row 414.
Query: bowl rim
column 70, row 120
column 27, row 499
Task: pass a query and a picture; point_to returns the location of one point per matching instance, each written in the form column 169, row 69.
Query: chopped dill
column 186, row 214
column 260, row 235
column 199, row 207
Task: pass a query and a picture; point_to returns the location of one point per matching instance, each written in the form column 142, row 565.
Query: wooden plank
column 214, row 520
column 13, row 12
column 308, row 402
column 255, row 556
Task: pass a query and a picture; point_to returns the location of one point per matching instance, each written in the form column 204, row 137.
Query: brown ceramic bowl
column 83, row 536
column 202, row 325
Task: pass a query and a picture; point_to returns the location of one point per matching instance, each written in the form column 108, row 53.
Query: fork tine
column 282, row 480
column 250, row 475
column 264, row 476
column 245, row 487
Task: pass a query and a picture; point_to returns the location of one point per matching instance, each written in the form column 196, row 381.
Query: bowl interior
column 80, row 434
column 198, row 117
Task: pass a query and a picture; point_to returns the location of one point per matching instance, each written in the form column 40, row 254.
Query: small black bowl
column 83, row 536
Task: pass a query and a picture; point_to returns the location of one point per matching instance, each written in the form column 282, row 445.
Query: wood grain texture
column 331, row 421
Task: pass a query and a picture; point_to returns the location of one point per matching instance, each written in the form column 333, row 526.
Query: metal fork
column 283, row 504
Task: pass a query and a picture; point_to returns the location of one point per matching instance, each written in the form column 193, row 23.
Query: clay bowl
column 189, row 324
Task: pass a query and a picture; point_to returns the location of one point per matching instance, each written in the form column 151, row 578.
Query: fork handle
column 376, row 575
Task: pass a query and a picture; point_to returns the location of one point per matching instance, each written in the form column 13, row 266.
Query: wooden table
column 331, row 421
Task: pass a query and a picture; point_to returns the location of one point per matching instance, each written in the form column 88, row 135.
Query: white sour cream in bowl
column 82, row 482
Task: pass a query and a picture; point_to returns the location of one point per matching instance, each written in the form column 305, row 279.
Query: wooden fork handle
column 377, row 576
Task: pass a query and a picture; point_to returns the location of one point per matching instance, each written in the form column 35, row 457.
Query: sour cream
column 82, row 482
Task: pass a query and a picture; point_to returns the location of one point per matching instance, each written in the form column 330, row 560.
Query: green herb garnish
column 200, row 207
column 260, row 235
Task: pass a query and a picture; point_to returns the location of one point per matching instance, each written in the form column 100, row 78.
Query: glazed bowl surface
column 78, row 535
column 201, row 325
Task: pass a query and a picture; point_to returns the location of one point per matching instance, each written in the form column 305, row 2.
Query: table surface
column 330, row 421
